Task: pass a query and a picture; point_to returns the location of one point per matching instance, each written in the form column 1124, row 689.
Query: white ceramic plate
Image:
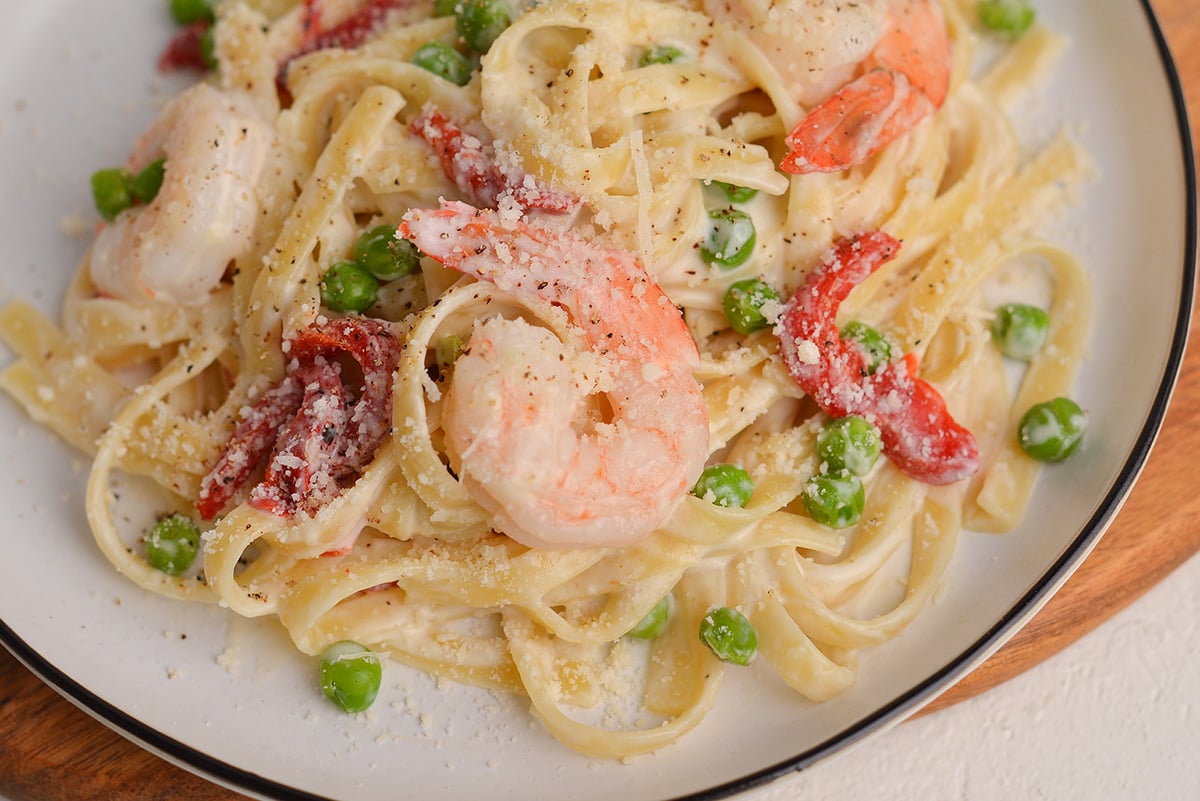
column 77, row 84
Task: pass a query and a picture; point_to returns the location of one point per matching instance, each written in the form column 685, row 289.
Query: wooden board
column 51, row 751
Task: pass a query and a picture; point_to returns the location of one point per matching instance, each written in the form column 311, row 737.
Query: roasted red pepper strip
column 374, row 346
column 251, row 442
column 471, row 165
column 351, row 32
column 315, row 435
column 308, row 458
column 919, row 435
column 186, row 50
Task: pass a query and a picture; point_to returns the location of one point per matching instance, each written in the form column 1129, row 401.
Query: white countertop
column 1114, row 716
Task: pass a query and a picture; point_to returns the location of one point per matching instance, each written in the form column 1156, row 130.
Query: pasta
column 411, row 501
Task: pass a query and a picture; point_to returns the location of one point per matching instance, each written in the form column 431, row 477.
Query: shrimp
column 905, row 79
column 177, row 247
column 519, row 427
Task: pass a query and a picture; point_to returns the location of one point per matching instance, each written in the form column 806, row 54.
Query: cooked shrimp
column 177, row 247
column 905, row 79
column 521, row 428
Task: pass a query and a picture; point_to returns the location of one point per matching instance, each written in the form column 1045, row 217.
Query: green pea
column 445, row 8
column 729, row 635
column 1010, row 18
column 187, row 12
column 1020, row 330
column 145, row 184
column 743, row 304
column 384, row 255
column 112, row 191
column 480, row 22
column 444, row 61
column 208, row 47
column 172, row 544
column 660, row 54
column 655, row 621
column 735, row 193
column 876, row 349
column 447, row 350
column 730, row 238
column 350, row 675
column 725, row 485
column 835, row 500
column 347, row 286
column 849, row 443
column 1051, row 431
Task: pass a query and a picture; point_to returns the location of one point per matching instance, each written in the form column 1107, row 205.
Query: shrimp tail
column 907, row 79
column 534, row 260
column 855, row 123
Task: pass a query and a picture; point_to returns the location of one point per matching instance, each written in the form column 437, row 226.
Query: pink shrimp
column 905, row 79
column 177, row 247
column 519, row 427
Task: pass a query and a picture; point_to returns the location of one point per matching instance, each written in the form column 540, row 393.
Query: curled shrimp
column 520, row 428
column 177, row 247
column 905, row 78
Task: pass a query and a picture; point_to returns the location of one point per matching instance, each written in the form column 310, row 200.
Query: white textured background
column 1114, row 716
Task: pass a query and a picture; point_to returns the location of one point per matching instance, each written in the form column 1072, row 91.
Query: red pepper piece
column 374, row 346
column 354, row 31
column 351, row 32
column 471, row 164
column 185, row 51
column 919, row 435
column 250, row 443
column 309, row 456
column 315, row 435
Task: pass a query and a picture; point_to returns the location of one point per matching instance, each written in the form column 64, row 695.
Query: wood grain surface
column 51, row 751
